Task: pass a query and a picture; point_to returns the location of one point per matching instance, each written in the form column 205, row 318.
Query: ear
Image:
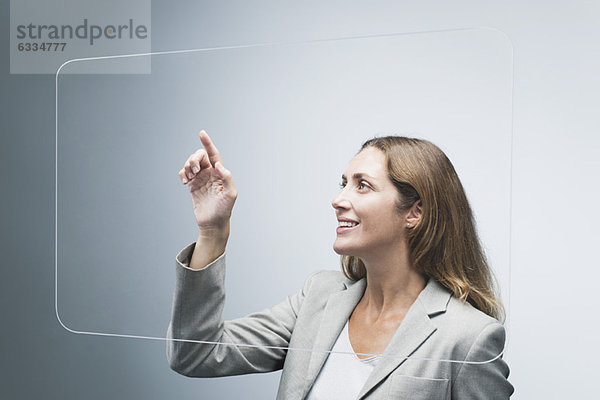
column 414, row 214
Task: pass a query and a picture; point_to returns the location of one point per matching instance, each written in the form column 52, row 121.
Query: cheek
column 381, row 222
column 388, row 221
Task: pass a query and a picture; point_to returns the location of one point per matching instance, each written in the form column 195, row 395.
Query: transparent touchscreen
column 287, row 120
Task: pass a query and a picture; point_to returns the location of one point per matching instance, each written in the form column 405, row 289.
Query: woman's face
column 368, row 200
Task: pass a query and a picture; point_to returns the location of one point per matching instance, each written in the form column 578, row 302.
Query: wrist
column 210, row 245
column 213, row 233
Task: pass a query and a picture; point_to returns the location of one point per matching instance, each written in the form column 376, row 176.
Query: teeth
column 346, row 223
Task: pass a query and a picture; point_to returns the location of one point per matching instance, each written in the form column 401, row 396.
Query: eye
column 363, row 185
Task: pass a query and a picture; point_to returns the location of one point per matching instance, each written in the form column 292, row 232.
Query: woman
column 415, row 301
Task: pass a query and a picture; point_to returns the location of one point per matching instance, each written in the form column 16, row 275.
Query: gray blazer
column 437, row 327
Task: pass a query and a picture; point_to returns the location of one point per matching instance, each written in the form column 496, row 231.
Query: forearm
column 211, row 243
column 197, row 309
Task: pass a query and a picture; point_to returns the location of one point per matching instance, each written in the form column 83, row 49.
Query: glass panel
column 287, row 119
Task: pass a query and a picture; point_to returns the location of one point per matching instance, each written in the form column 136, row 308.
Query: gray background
column 551, row 352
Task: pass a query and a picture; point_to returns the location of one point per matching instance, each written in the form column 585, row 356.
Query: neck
column 393, row 283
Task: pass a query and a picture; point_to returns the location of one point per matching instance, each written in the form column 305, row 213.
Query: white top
column 342, row 375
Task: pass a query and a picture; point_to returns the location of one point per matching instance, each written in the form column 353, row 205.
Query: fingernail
column 195, row 169
column 190, row 175
column 184, row 180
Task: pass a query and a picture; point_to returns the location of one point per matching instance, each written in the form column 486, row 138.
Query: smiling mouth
column 347, row 224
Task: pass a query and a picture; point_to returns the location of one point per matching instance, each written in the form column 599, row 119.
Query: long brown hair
column 444, row 244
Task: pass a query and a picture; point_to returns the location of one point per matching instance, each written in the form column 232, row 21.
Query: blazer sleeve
column 489, row 380
column 197, row 316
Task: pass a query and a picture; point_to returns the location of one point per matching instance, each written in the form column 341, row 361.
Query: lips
column 346, row 225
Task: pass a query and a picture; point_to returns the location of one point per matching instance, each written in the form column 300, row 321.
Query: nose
column 340, row 201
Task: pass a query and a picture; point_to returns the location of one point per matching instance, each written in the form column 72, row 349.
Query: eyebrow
column 358, row 175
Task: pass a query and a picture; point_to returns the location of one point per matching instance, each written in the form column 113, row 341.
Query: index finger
column 211, row 150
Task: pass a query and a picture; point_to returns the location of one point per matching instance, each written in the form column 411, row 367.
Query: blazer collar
column 415, row 329
column 338, row 309
column 434, row 297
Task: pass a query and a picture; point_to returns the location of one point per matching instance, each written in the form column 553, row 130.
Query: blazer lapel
column 337, row 311
column 415, row 329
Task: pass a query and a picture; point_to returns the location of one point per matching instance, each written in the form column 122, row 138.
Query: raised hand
column 211, row 186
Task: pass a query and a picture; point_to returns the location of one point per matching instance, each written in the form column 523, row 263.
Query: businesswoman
column 412, row 315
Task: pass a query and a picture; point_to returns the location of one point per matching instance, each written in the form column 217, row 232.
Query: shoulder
column 328, row 280
column 479, row 341
column 467, row 327
column 322, row 284
column 463, row 311
column 457, row 321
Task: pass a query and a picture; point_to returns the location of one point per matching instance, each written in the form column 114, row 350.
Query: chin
column 342, row 251
column 338, row 250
